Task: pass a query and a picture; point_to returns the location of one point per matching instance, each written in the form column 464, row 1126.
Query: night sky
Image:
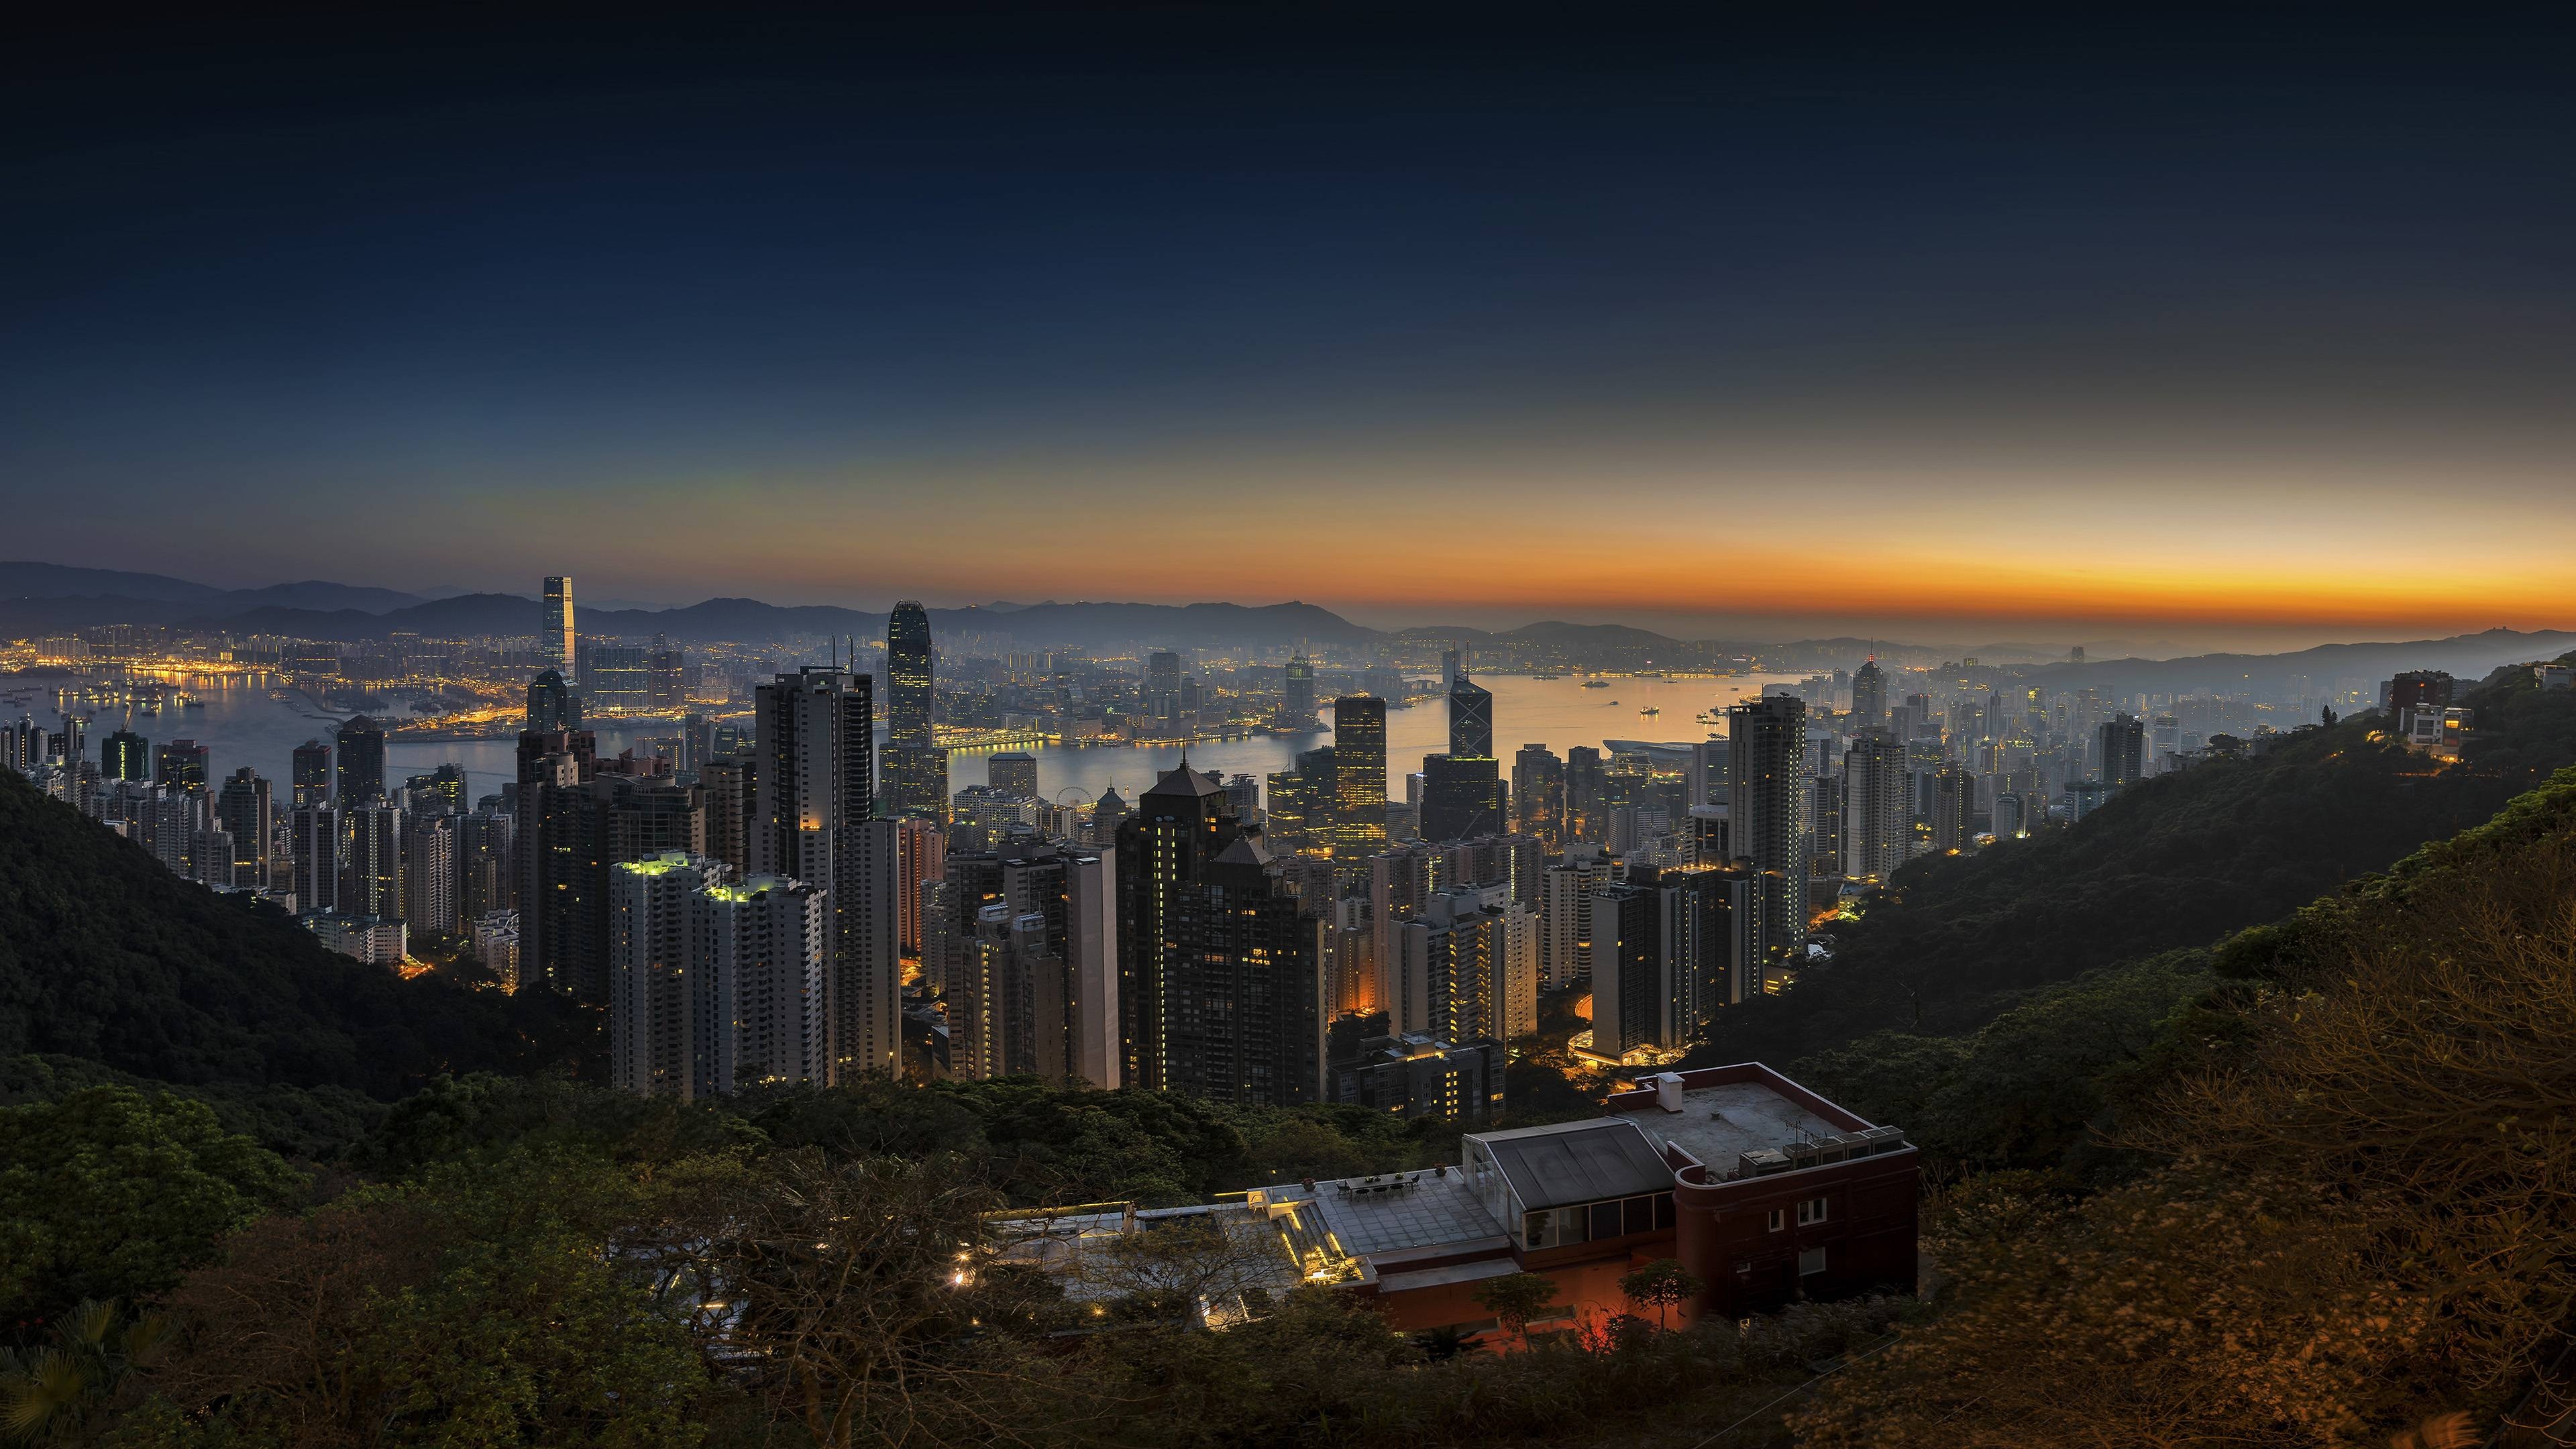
column 2248, row 330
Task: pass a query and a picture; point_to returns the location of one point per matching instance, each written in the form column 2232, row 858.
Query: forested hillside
column 107, row 957
column 2179, row 862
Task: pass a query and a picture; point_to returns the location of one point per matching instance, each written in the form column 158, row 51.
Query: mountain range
column 38, row 598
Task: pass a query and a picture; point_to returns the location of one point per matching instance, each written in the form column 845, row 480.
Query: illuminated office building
column 555, row 637
column 1358, row 828
column 1538, row 796
column 916, row 769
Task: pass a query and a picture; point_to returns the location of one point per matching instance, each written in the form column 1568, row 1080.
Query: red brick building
column 1764, row 1190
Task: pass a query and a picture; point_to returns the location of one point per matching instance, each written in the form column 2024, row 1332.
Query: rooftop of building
column 1719, row 1124
column 1394, row 1211
column 1564, row 1163
column 1719, row 1115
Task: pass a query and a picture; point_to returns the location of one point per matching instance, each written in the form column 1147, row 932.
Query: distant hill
column 29, row 580
column 107, row 957
column 2178, row 861
column 2469, row 656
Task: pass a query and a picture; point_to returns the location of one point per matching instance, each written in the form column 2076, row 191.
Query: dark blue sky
column 1474, row 314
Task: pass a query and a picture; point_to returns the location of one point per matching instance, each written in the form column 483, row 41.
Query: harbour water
column 241, row 723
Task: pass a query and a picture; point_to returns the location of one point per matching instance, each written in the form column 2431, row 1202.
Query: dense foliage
column 106, row 956
column 2363, row 1209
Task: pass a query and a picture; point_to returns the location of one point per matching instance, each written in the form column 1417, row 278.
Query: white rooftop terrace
column 1718, row 1124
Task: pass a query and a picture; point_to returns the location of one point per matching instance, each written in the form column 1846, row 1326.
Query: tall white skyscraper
column 555, row 641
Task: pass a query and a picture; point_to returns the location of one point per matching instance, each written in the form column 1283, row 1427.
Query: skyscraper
column 362, row 762
column 123, row 755
column 2122, row 743
column 1766, row 816
column 1013, row 773
column 762, row 947
column 555, row 638
column 1538, row 795
column 1877, row 833
column 181, row 765
column 371, row 876
column 1954, row 809
column 1220, row 982
column 916, row 769
column 551, row 706
column 663, row 1018
column 921, row 854
column 1297, row 693
column 243, row 809
column 1869, row 694
column 1162, row 694
column 312, row 782
column 1359, row 777
column 813, row 823
column 1462, row 792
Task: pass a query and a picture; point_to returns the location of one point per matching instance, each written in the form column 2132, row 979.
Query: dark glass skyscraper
column 362, row 761
column 916, row 769
column 550, row 705
column 1462, row 791
column 312, row 783
column 1766, row 818
column 1220, row 985
column 125, row 755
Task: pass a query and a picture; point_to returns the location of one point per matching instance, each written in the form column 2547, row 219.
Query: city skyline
column 1967, row 331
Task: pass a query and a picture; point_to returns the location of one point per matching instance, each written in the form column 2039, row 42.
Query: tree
column 1516, row 1298
column 113, row 1194
column 507, row 1302
column 1662, row 1285
column 47, row 1394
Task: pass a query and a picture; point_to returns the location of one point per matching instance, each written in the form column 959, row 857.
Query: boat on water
column 1606, row 706
column 1596, row 684
column 1547, row 676
column 1651, row 710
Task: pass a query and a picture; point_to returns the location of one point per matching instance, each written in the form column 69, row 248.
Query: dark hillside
column 2182, row 861
column 107, row 957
